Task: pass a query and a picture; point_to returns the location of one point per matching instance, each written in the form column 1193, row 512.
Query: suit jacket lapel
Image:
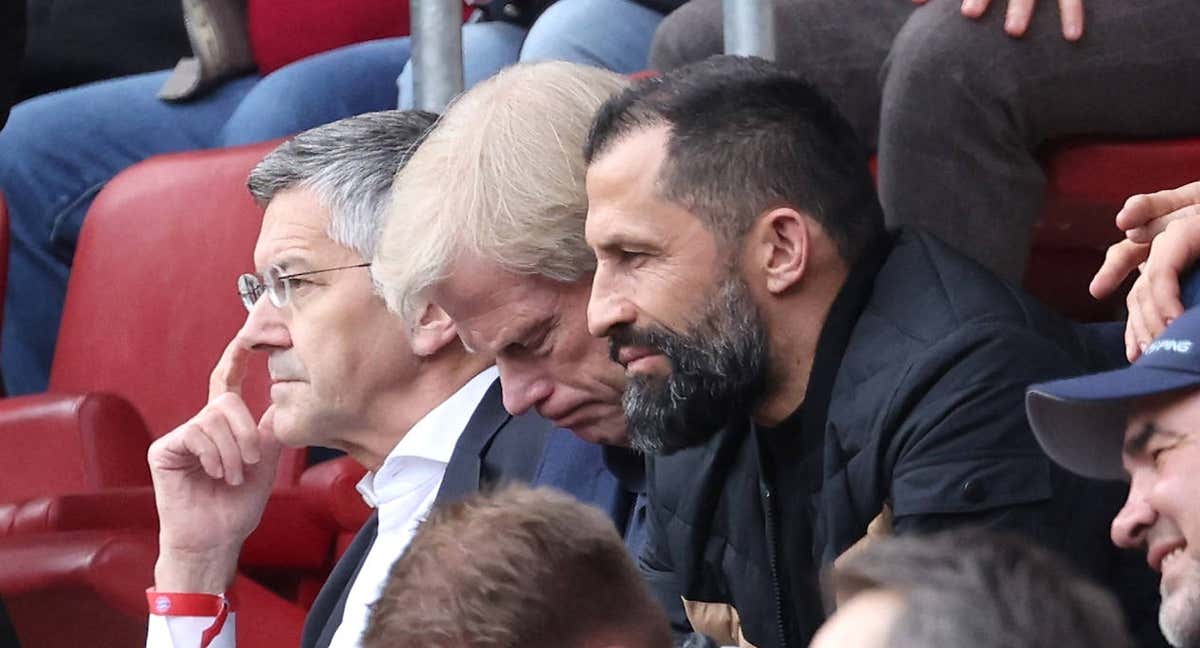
column 466, row 462
column 326, row 613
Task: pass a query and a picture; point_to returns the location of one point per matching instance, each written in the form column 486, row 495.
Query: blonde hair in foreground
column 500, row 177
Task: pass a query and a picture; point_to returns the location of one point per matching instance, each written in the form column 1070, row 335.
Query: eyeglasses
column 277, row 285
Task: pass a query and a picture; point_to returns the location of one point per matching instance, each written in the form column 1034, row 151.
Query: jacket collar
column 462, row 473
column 831, row 346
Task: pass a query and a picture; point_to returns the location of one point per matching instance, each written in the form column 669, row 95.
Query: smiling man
column 1142, row 424
column 803, row 373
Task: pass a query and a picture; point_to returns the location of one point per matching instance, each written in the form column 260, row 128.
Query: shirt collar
column 433, row 437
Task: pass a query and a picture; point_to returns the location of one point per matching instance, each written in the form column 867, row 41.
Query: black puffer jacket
column 915, row 402
column 524, row 12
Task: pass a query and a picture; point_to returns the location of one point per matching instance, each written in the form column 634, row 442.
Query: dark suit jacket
column 494, row 447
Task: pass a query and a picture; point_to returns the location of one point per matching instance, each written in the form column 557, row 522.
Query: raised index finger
column 230, row 372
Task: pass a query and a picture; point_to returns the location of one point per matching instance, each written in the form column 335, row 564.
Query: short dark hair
column 747, row 135
column 974, row 587
column 517, row 567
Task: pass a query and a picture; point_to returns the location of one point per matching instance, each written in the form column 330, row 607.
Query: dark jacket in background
column 916, row 402
column 71, row 42
column 12, row 45
column 524, row 12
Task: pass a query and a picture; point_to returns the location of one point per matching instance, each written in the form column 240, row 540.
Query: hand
column 1019, row 12
column 212, row 476
column 1162, row 238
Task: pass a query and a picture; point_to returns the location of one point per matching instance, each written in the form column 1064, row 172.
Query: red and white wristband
column 191, row 604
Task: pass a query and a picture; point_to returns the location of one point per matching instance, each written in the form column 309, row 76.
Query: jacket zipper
column 772, row 550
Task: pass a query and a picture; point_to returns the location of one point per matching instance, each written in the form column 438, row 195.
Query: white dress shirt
column 402, row 491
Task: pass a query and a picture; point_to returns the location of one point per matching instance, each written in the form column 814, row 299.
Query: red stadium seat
column 150, row 305
column 1087, row 183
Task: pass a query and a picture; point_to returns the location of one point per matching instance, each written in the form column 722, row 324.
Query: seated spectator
column 958, row 108
column 1162, row 241
column 1138, row 424
column 59, row 150
column 403, row 398
column 516, row 567
column 800, row 371
column 500, row 247
column 966, row 588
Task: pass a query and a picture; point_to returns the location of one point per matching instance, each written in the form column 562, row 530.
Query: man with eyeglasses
column 403, row 398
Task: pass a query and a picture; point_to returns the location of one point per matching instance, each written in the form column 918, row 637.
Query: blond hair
column 500, row 177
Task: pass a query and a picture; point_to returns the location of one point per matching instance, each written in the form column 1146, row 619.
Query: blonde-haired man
column 500, row 244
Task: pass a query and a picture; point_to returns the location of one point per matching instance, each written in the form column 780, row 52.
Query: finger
column 195, row 442
column 974, row 8
column 1143, row 208
column 1172, row 253
column 1131, row 349
column 1153, row 228
column 1120, row 260
column 1072, row 19
column 267, row 441
column 1151, row 320
column 241, row 423
column 1135, row 330
column 230, row 371
column 216, row 427
column 1016, row 19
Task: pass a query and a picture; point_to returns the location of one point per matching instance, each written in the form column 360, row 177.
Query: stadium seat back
column 152, row 302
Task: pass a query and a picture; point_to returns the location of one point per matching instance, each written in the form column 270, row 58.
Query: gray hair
column 502, row 178
column 972, row 587
column 350, row 165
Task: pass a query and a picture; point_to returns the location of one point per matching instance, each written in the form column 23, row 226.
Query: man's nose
column 1134, row 519
column 523, row 388
column 607, row 307
column 265, row 327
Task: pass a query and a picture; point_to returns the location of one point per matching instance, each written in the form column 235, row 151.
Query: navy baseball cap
column 1080, row 422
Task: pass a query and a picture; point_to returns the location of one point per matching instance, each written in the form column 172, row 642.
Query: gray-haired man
column 403, row 398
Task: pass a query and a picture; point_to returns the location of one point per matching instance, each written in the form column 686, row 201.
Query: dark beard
column 719, row 369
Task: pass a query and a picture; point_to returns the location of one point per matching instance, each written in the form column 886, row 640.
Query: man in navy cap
column 1142, row 424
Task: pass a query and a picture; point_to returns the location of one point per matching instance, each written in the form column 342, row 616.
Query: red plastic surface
column 56, row 444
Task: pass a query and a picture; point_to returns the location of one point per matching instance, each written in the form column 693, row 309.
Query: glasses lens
column 278, row 289
column 249, row 289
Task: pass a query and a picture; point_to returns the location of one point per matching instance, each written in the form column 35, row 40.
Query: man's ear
column 782, row 247
column 432, row 331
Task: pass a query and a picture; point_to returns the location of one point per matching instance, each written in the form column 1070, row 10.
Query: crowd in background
column 760, row 402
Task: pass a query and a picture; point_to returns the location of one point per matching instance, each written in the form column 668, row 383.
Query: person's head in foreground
column 726, row 201
column 967, row 587
column 345, row 372
column 1142, row 424
column 520, row 568
column 487, row 222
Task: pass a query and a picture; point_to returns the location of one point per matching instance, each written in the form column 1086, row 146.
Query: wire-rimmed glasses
column 275, row 284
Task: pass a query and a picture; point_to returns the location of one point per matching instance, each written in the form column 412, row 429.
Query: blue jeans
column 58, row 150
column 612, row 34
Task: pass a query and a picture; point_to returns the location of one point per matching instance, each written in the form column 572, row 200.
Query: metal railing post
column 436, row 52
column 749, row 27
